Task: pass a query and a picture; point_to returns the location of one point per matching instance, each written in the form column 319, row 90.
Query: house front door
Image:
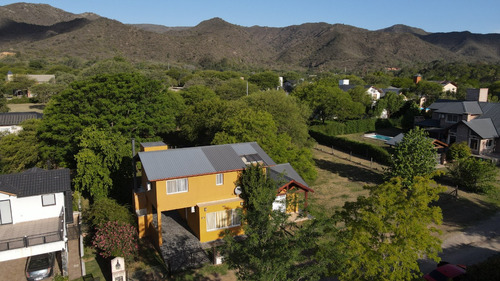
column 5, row 212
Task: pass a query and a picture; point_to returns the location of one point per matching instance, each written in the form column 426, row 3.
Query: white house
column 35, row 206
column 10, row 122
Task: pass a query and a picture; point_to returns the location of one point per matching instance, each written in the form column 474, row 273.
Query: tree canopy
column 126, row 103
column 273, row 246
column 382, row 236
column 413, row 156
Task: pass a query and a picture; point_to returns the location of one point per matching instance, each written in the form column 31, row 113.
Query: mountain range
column 40, row 30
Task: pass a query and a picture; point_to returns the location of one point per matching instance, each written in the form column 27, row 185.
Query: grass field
column 340, row 180
column 26, row 107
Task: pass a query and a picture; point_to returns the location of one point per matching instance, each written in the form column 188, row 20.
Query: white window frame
column 222, row 219
column 48, row 200
column 176, row 185
column 219, row 179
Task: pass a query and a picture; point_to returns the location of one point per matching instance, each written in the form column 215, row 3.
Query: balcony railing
column 35, row 239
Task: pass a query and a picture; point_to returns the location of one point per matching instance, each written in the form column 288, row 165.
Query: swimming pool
column 377, row 137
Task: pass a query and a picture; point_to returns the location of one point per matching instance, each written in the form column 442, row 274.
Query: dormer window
column 251, row 159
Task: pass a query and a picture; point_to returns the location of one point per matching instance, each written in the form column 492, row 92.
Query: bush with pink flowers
column 116, row 239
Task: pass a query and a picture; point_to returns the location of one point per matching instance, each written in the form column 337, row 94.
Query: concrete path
column 473, row 245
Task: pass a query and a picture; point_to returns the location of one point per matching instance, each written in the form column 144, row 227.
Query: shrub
column 116, row 239
column 105, row 210
column 458, row 151
column 474, row 174
column 379, row 154
column 334, row 128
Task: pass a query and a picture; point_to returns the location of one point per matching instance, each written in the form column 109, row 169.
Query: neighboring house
column 374, row 92
column 10, row 121
column 447, row 86
column 474, row 121
column 200, row 184
column 38, row 78
column 35, row 207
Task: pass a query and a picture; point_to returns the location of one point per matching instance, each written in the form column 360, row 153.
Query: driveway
column 473, row 245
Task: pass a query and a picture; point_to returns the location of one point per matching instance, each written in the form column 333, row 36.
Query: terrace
column 31, row 233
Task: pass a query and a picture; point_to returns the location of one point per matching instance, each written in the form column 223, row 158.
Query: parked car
column 40, row 266
column 446, row 272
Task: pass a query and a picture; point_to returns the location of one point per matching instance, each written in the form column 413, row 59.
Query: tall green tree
column 329, row 102
column 266, row 80
column 288, row 113
column 251, row 125
column 392, row 102
column 101, row 152
column 382, row 236
column 413, row 156
column 273, row 246
column 3, row 104
column 129, row 104
column 235, row 88
column 19, row 152
column 201, row 121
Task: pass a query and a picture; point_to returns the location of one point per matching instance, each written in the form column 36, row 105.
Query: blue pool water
column 378, row 137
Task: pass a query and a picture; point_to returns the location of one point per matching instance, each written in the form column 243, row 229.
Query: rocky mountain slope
column 41, row 30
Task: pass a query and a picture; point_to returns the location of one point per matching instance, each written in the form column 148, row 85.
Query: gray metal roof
column 492, row 111
column 16, row 118
column 395, row 140
column 183, row 162
column 483, row 127
column 285, row 172
column 36, row 181
column 456, row 107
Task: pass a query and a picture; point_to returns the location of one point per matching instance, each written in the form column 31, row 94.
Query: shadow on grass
column 105, row 266
column 353, row 173
column 37, row 106
column 462, row 211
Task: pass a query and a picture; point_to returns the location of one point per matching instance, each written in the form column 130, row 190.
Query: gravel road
column 473, row 245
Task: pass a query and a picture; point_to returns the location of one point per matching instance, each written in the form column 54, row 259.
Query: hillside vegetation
column 41, row 30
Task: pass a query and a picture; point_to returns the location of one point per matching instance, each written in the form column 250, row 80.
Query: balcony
column 31, row 233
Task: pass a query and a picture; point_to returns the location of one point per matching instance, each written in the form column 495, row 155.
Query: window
column 222, row 219
column 473, row 144
column 177, row 186
column 489, row 143
column 450, row 118
column 48, row 199
column 219, row 179
column 5, row 212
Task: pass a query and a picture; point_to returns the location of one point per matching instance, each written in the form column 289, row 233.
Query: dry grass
column 26, row 107
column 340, row 180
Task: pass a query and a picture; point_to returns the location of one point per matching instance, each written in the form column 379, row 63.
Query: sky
column 480, row 16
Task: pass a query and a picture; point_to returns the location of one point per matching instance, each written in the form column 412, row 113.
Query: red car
column 446, row 272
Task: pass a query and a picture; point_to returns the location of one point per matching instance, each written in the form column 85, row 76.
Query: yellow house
column 200, row 184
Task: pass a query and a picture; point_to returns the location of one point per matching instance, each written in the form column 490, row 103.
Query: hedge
column 378, row 154
column 334, row 128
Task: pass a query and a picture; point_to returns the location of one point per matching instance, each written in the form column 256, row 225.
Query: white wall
column 30, row 208
column 31, row 251
column 10, row 129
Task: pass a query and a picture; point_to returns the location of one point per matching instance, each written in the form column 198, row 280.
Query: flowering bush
column 116, row 239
